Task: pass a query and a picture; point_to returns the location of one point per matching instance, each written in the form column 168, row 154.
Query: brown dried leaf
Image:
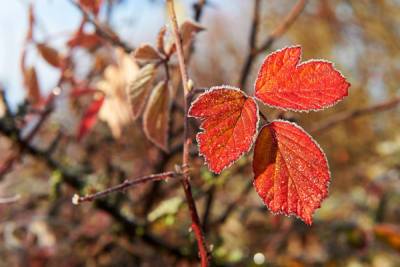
column 32, row 85
column 50, row 55
column 147, row 52
column 138, row 89
column 156, row 116
column 188, row 29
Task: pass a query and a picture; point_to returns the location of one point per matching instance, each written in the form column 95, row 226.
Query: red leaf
column 81, row 91
column 284, row 83
column 290, row 169
column 230, row 120
column 90, row 117
column 85, row 40
column 50, row 55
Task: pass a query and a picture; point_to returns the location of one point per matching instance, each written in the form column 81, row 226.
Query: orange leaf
column 388, row 233
column 291, row 173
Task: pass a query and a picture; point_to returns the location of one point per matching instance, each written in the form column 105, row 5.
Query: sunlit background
column 357, row 225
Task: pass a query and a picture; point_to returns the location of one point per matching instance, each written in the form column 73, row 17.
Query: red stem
column 196, row 226
column 126, row 184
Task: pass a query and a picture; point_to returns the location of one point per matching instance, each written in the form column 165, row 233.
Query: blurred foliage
column 357, row 225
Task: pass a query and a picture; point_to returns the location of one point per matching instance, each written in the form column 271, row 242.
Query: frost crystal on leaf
column 313, row 85
column 229, row 119
column 290, row 169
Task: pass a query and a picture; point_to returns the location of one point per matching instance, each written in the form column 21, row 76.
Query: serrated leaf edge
column 298, row 65
column 214, row 88
column 327, row 164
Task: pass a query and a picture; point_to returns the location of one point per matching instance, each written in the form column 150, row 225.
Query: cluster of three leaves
column 291, row 173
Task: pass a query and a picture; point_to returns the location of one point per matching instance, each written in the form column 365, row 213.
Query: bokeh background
column 357, row 225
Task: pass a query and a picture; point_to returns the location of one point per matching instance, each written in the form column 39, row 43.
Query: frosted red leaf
column 90, row 116
column 291, row 173
column 312, row 85
column 229, row 119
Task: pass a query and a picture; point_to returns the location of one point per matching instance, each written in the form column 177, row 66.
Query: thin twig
column 102, row 31
column 345, row 116
column 7, row 165
column 284, row 26
column 54, row 144
column 252, row 44
column 198, row 9
column 9, row 200
column 196, row 226
column 279, row 31
column 73, row 179
column 123, row 186
column 263, row 116
column 209, row 204
column 231, row 207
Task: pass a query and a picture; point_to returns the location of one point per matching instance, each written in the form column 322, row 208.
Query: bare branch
column 252, row 44
column 231, row 207
column 198, row 9
column 9, row 200
column 284, row 26
column 279, row 31
column 101, row 30
column 123, row 186
column 74, row 180
column 196, row 226
column 345, row 116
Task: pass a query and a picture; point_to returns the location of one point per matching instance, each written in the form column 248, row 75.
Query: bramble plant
column 160, row 123
column 291, row 173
